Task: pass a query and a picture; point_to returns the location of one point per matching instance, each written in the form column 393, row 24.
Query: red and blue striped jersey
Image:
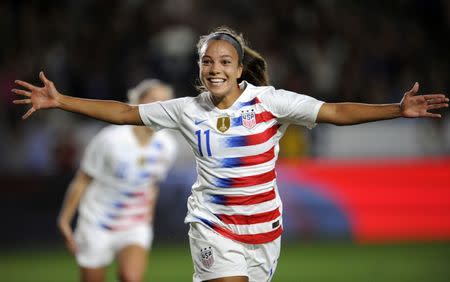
column 124, row 174
column 235, row 193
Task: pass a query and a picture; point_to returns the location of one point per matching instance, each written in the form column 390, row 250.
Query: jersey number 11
column 199, row 142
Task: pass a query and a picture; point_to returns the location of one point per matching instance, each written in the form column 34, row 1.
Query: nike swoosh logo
column 199, row 121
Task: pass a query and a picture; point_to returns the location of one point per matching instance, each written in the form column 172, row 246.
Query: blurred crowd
column 332, row 50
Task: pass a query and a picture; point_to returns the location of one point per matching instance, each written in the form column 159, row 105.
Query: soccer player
column 115, row 191
column 234, row 127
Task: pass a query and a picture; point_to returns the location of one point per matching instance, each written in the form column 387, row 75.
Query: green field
column 307, row 262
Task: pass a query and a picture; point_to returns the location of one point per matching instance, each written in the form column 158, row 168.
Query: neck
column 227, row 100
column 143, row 134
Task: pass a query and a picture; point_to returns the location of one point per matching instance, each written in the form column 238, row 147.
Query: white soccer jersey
column 119, row 196
column 235, row 149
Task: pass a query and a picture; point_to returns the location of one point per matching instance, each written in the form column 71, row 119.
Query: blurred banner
column 382, row 200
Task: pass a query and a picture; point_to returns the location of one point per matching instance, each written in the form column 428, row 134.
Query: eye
column 206, row 62
column 226, row 62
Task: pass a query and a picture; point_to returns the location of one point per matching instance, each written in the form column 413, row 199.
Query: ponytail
column 255, row 68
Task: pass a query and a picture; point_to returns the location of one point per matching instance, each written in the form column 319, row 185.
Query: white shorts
column 97, row 247
column 216, row 256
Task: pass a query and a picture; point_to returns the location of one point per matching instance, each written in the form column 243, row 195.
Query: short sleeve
column 169, row 155
column 163, row 114
column 93, row 160
column 292, row 107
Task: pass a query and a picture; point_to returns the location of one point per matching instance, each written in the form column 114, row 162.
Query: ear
column 240, row 70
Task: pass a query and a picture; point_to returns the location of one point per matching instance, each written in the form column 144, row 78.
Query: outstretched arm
column 411, row 106
column 48, row 97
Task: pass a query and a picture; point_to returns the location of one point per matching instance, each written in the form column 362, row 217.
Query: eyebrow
column 223, row 56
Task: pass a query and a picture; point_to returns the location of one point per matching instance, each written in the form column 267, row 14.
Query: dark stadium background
column 361, row 203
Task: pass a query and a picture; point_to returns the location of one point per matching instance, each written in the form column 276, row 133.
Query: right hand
column 67, row 234
column 45, row 97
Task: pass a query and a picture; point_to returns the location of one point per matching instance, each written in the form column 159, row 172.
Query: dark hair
column 255, row 68
column 254, row 65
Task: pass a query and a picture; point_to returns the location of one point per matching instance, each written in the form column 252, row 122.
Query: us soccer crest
column 207, row 257
column 141, row 161
column 223, row 123
column 249, row 118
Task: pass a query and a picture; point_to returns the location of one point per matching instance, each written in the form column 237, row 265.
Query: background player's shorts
column 97, row 247
column 216, row 256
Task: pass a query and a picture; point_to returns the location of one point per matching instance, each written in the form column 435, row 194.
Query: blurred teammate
column 233, row 127
column 115, row 191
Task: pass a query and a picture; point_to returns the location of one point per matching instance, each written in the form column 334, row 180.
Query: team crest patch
column 223, row 123
column 141, row 161
column 207, row 257
column 249, row 118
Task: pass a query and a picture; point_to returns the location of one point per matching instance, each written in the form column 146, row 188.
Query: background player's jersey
column 235, row 149
column 123, row 171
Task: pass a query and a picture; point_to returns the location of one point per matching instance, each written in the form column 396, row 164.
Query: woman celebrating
column 115, row 191
column 234, row 127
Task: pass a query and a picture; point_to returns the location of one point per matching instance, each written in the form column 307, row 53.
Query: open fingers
column 22, row 101
column 432, row 115
column 29, row 113
column 436, row 101
column 435, row 98
column 44, row 78
column 437, row 106
column 21, row 92
column 414, row 89
column 26, row 85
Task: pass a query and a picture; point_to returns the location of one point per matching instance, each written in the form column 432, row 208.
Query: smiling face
column 219, row 70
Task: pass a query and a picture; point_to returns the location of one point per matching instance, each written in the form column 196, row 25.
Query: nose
column 214, row 69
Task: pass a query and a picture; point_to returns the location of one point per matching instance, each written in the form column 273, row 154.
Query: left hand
column 413, row 106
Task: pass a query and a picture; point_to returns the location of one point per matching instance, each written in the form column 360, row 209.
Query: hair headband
column 230, row 39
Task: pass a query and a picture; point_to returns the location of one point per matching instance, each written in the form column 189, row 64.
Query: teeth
column 216, row 80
